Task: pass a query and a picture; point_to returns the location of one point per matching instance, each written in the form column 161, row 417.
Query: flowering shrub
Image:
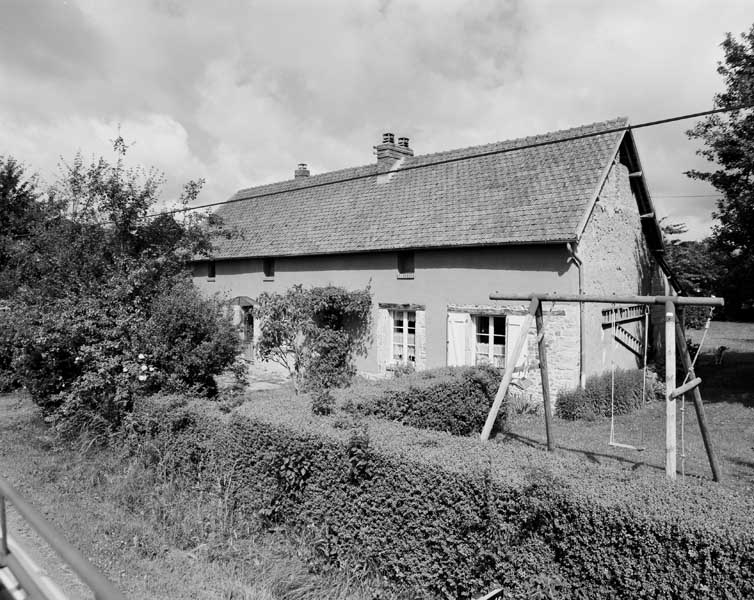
column 315, row 333
column 84, row 361
column 101, row 307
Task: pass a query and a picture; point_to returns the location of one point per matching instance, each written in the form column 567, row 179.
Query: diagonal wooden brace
column 508, row 375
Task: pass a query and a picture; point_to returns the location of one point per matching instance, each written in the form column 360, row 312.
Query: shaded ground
column 728, row 394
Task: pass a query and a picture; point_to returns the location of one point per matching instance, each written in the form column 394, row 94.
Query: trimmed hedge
column 453, row 524
column 594, row 399
column 452, row 399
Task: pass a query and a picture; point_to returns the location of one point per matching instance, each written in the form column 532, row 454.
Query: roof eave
column 548, row 242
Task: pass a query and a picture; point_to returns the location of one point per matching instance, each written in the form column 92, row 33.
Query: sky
column 240, row 92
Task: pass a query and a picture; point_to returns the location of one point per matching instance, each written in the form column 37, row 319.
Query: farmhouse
column 433, row 235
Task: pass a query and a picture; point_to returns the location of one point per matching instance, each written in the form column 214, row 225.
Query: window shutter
column 459, row 339
column 383, row 332
column 515, row 324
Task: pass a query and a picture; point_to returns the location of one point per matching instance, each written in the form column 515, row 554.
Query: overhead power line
column 458, row 159
column 712, row 196
column 444, row 161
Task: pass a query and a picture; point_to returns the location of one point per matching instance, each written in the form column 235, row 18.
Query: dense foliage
column 452, row 399
column 449, row 526
column 98, row 302
column 20, row 210
column 727, row 144
column 596, row 399
column 315, row 333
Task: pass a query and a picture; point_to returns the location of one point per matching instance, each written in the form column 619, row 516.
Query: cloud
column 241, row 93
column 48, row 39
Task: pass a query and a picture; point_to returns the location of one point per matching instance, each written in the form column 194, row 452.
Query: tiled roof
column 532, row 195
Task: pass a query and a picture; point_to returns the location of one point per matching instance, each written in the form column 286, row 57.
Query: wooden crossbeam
column 612, row 299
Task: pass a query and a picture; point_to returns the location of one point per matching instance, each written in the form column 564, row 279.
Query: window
column 403, row 348
column 268, row 267
column 211, row 270
column 405, row 265
column 490, row 341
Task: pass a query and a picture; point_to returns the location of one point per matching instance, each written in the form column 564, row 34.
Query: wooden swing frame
column 674, row 336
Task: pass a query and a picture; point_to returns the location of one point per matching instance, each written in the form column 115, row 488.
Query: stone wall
column 616, row 260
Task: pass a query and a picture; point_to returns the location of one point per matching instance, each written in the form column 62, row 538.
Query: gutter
column 574, row 258
column 660, row 258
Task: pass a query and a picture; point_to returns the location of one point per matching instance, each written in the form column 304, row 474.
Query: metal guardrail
column 102, row 588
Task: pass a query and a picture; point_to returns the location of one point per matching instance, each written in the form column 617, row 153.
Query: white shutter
column 384, row 334
column 459, row 334
column 514, row 324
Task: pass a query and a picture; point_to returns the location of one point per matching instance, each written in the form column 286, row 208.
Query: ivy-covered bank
column 440, row 516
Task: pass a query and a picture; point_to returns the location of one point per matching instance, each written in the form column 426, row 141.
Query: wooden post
column 545, row 377
column 698, row 406
column 508, row 375
column 670, row 436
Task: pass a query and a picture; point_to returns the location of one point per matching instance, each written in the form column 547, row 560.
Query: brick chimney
column 388, row 153
column 301, row 171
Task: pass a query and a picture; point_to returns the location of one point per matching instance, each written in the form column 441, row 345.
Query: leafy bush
column 187, row 338
column 448, row 526
column 595, row 399
column 327, row 363
column 323, row 402
column 452, row 399
column 101, row 304
column 84, row 360
column 8, row 349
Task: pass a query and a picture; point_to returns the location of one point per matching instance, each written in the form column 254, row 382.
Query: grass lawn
column 728, row 395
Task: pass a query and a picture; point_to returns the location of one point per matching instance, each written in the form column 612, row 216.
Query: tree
column 729, row 144
column 20, row 212
column 699, row 266
column 103, row 306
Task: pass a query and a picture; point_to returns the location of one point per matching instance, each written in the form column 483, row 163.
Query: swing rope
column 644, row 372
column 612, row 441
column 686, row 379
column 612, row 382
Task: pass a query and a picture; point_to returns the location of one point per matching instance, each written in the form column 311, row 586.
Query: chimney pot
column 388, row 154
column 301, row 171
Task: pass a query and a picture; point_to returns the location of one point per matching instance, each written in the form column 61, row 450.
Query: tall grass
column 154, row 532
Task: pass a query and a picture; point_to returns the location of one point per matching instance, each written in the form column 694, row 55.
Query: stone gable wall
column 616, row 260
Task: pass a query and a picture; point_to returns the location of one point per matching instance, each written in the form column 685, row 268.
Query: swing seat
column 627, row 446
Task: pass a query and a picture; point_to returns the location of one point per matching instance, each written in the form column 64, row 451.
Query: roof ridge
column 308, row 178
column 513, row 142
column 523, row 141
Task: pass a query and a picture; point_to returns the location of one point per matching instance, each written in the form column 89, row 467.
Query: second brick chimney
column 388, row 153
column 301, row 171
